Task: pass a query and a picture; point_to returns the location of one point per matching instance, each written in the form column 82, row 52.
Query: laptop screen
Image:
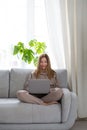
column 39, row 86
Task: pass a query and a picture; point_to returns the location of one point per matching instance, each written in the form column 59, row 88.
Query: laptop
column 39, row 86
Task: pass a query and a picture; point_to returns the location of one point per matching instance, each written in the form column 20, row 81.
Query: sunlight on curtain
column 13, row 27
column 53, row 17
column 54, row 43
column 21, row 20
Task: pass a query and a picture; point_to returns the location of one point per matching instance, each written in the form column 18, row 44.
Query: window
column 15, row 27
column 41, row 30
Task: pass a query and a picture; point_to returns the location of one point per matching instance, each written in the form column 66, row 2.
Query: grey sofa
column 16, row 115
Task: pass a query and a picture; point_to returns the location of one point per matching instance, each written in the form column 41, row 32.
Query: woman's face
column 43, row 63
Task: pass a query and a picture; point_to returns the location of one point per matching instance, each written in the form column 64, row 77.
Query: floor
column 80, row 125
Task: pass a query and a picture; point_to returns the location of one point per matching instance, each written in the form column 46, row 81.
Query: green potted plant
column 30, row 53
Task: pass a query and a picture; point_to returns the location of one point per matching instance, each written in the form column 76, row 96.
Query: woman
column 43, row 71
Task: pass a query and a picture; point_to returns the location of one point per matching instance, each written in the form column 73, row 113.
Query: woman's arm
column 56, row 80
column 27, row 81
column 29, row 77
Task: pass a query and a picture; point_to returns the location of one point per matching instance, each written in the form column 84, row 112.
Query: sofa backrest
column 4, row 83
column 18, row 77
column 17, row 80
column 62, row 77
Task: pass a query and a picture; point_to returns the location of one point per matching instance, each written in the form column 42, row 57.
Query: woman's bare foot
column 53, row 102
column 44, row 103
column 49, row 103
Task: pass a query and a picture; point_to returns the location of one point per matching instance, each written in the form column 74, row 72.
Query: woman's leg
column 53, row 96
column 24, row 96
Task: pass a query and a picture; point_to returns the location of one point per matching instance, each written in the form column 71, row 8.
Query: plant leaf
column 40, row 47
column 35, row 61
column 32, row 43
column 16, row 50
column 28, row 55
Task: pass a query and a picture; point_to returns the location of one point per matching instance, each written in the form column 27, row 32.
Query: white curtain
column 30, row 19
column 16, row 24
column 52, row 10
column 74, row 27
column 67, row 29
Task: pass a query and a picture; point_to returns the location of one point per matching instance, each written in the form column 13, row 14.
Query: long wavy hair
column 50, row 72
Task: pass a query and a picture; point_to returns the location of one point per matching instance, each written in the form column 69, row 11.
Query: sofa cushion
column 14, row 111
column 17, row 80
column 62, row 77
column 4, row 83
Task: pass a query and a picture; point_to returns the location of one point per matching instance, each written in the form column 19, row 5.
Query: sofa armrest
column 65, row 102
